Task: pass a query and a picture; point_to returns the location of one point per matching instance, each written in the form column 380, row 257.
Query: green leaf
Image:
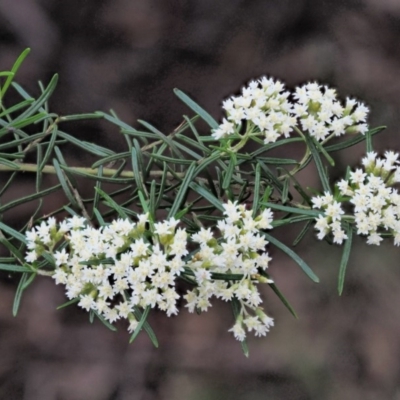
column 68, row 303
column 318, row 163
column 162, row 185
column 77, row 117
column 354, row 140
column 292, row 255
column 139, row 316
column 302, row 233
column 113, row 157
column 197, row 109
column 31, row 197
column 112, row 203
column 285, row 191
column 271, row 177
column 18, row 293
column 321, row 148
column 115, row 120
column 64, row 184
column 207, row 195
column 207, row 161
column 105, row 322
column 368, row 141
column 14, row 268
column 164, row 138
column 37, row 104
column 292, row 220
column 10, row 164
column 12, row 232
column 137, row 168
column 90, row 147
column 257, row 187
column 14, row 70
column 180, row 161
column 293, row 210
column 49, row 148
column 13, row 250
column 229, row 172
column 140, row 324
column 280, row 295
column 278, row 161
column 227, row 277
column 16, row 107
column 345, row 258
column 182, row 193
column 236, row 312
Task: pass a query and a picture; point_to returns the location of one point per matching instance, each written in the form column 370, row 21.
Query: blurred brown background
column 128, row 55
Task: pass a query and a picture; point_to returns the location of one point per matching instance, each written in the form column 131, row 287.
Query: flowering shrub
column 190, row 207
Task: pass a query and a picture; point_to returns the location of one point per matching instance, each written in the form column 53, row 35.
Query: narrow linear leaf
column 116, row 121
column 49, row 149
column 318, row 163
column 64, row 184
column 207, row 195
column 302, row 233
column 14, row 70
column 292, row 210
column 321, row 148
column 146, row 327
column 12, row 232
column 140, row 324
column 31, row 197
column 292, row 220
column 368, row 141
column 77, row 117
column 257, row 187
column 229, row 172
column 160, row 135
column 16, row 107
column 90, row 147
column 345, row 258
column 197, row 109
column 136, row 168
column 285, row 191
column 171, row 160
column 14, row 268
column 18, row 293
column 162, row 185
column 271, row 177
column 354, row 140
column 13, row 250
column 9, row 164
column 307, row 270
column 29, row 280
column 108, row 159
column 68, row 303
column 37, row 104
column 189, row 176
column 112, row 203
column 105, row 322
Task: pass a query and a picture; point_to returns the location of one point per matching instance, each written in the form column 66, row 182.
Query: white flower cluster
column 114, row 269
column 322, row 115
column 269, row 112
column 330, row 220
column 265, row 105
column 239, row 251
column 123, row 266
column 376, row 204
